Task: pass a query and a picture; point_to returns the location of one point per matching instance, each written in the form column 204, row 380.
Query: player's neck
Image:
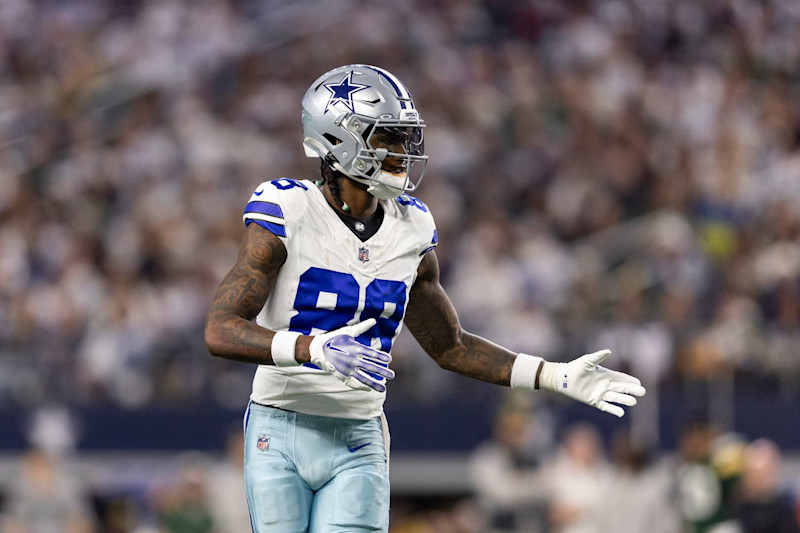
column 361, row 203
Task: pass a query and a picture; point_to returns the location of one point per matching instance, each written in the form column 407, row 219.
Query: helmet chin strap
column 384, row 191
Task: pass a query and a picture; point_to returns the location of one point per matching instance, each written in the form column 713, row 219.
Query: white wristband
column 283, row 344
column 523, row 373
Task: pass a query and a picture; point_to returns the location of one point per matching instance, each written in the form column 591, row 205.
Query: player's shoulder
column 417, row 215
column 275, row 203
column 285, row 192
column 408, row 208
column 284, row 189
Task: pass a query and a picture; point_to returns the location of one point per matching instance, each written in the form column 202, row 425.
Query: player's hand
column 586, row 381
column 358, row 366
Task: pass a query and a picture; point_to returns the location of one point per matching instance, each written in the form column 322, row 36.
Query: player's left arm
column 433, row 321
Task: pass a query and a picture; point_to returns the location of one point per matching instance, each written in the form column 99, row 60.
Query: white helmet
column 342, row 112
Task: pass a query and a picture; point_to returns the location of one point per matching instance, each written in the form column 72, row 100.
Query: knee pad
column 280, row 505
column 362, row 499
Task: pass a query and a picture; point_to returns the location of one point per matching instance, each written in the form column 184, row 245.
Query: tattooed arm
column 231, row 331
column 432, row 320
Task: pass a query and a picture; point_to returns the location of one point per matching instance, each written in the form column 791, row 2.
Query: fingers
column 592, row 359
column 622, row 376
column 375, row 362
column 377, row 356
column 365, row 380
column 611, row 409
column 361, row 327
column 621, row 393
column 627, row 388
column 382, row 371
column 616, row 397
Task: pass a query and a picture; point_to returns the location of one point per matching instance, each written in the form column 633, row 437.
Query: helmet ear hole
column 331, row 139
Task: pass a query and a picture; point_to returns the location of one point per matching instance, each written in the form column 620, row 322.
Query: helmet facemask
column 392, row 159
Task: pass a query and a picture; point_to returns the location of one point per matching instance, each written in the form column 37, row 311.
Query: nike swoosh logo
column 357, row 447
column 259, row 193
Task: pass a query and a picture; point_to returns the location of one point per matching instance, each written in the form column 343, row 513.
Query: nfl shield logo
column 263, row 443
column 363, row 254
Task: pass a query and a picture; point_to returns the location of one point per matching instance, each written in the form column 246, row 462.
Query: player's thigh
column 278, row 498
column 356, row 499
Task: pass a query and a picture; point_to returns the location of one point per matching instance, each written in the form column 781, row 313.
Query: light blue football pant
column 315, row 473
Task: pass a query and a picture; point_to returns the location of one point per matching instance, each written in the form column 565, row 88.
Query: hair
column 330, row 177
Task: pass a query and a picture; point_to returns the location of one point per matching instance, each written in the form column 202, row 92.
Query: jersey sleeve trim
column 277, row 229
column 264, row 207
column 428, row 249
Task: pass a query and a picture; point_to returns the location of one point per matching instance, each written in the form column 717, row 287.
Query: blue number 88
column 328, row 300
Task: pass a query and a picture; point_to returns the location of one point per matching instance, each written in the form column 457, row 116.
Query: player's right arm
column 230, row 330
column 232, row 333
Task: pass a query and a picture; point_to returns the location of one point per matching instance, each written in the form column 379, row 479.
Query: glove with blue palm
column 358, row 366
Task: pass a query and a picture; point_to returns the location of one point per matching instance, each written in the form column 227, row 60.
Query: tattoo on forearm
column 433, row 321
column 481, row 359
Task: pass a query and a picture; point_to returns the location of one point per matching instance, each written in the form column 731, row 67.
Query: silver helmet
column 348, row 115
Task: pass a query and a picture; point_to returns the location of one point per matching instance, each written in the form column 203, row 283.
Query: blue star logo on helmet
column 342, row 93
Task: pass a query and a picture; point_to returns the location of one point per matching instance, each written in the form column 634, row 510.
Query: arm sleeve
column 264, row 209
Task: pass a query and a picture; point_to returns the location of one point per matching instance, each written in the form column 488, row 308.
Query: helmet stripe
column 398, row 85
column 399, row 88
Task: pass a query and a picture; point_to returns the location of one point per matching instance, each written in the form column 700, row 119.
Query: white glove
column 582, row 379
column 358, row 366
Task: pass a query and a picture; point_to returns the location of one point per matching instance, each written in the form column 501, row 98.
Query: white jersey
column 332, row 279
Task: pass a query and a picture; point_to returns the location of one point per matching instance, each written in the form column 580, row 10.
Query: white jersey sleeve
column 269, row 204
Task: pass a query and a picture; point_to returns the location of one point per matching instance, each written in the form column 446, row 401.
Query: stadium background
column 620, row 173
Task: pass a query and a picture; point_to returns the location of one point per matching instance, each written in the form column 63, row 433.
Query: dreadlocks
column 330, row 176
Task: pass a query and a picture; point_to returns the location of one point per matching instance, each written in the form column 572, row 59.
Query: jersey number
column 405, row 199
column 288, row 183
column 328, row 300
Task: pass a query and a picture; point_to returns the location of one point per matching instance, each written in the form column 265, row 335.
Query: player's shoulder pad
column 276, row 204
column 414, row 211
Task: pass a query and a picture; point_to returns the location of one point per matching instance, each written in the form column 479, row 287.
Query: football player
column 327, row 273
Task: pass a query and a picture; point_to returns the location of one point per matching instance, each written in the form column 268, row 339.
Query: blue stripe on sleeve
column 266, row 208
column 435, row 236
column 277, row 229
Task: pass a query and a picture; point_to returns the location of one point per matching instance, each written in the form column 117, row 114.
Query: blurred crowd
column 715, row 483
column 520, row 481
column 45, row 492
column 621, row 173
